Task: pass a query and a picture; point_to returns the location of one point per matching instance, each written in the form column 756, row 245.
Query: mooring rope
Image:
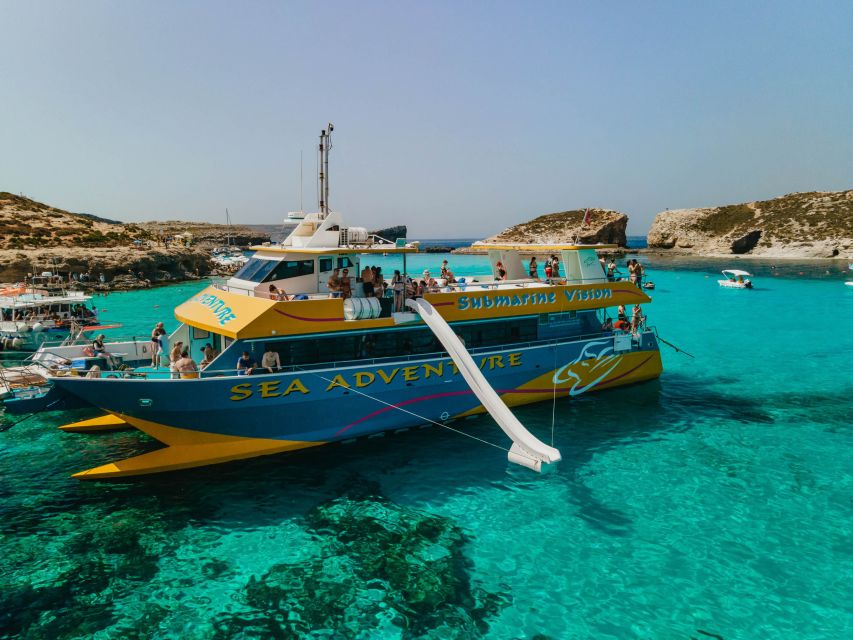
column 420, row 417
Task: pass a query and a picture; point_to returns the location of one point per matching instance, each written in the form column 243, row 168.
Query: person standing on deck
column 555, row 267
column 245, row 364
column 367, row 281
column 157, row 344
column 398, row 285
column 271, row 361
column 611, row 270
column 346, row 287
column 334, row 284
column 636, row 318
column 632, row 272
column 533, row 269
column 639, row 271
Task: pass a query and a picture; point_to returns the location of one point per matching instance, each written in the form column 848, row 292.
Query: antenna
column 301, row 207
column 325, row 147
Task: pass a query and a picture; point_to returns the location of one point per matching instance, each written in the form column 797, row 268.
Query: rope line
column 420, row 417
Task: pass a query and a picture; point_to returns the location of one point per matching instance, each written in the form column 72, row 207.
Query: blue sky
column 457, row 118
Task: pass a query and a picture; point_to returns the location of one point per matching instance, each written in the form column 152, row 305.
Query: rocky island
column 565, row 227
column 799, row 225
column 36, row 237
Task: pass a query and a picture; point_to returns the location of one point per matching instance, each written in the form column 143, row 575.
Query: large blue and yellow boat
column 356, row 367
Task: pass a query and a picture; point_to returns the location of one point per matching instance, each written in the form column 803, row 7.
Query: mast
column 325, row 147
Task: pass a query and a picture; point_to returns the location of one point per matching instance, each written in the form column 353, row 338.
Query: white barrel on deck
column 362, row 308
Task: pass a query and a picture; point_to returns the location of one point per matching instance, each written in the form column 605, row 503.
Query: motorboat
column 736, row 279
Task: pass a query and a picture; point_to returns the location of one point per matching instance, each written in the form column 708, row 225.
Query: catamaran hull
column 211, row 420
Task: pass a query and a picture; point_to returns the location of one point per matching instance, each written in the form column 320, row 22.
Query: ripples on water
column 712, row 503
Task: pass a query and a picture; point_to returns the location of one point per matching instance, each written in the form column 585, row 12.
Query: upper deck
column 238, row 316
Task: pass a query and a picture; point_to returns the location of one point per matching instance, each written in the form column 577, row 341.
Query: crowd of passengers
column 400, row 286
column 43, row 314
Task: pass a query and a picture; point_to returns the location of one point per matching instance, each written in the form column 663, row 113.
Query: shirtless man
column 334, row 284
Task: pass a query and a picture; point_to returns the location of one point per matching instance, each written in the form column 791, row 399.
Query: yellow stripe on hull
column 108, row 422
column 638, row 366
column 187, row 449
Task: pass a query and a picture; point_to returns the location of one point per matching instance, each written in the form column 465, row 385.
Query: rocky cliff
column 798, row 225
column 391, row 233
column 605, row 226
column 36, row 237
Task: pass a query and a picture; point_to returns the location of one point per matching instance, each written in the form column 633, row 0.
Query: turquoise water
column 714, row 501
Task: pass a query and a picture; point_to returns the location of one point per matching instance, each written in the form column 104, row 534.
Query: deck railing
column 367, row 362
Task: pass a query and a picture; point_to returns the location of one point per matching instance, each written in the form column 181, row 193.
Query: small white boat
column 736, row 279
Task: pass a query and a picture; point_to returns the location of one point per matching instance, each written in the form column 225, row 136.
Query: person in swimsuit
column 157, row 344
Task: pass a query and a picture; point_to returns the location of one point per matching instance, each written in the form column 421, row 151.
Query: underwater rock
column 394, row 565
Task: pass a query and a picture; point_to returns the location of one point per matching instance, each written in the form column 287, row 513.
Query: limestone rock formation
column 391, row 233
column 566, row 227
column 798, row 225
column 35, row 237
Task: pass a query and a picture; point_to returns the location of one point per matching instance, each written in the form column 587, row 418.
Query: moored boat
column 736, row 279
column 311, row 352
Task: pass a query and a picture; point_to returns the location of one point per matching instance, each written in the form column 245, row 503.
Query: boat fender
column 38, row 326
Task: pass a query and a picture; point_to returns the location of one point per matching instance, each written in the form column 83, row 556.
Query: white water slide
column 526, row 449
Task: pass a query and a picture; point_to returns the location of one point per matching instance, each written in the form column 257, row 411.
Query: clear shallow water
column 715, row 500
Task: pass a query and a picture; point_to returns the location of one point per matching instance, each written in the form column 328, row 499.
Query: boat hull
column 210, row 420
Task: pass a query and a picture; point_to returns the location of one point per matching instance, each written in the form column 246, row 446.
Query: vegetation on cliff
column 565, row 227
column 810, row 224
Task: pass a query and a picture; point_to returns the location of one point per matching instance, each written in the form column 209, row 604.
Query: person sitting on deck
column 94, row 372
column 186, row 366
column 611, row 270
column 334, row 284
column 608, row 324
column 174, row 356
column 499, row 269
column 278, row 294
column 270, row 361
column 346, row 287
column 98, row 347
column 444, row 269
column 245, row 364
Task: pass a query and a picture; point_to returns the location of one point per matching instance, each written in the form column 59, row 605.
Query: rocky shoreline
column 100, row 254
column 602, row 226
column 797, row 226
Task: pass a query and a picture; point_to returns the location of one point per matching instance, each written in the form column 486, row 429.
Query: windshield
column 256, row 269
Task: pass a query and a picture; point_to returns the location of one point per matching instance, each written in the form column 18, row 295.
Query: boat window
column 200, row 334
column 290, row 269
column 398, row 342
column 344, row 263
column 256, row 269
column 326, row 264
